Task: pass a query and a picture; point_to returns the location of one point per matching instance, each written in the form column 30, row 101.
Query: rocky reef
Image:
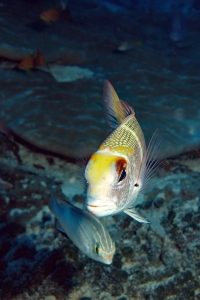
column 159, row 260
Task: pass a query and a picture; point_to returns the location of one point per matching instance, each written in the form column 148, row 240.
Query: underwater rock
column 159, row 259
column 40, row 118
column 67, row 73
column 161, row 83
column 58, row 117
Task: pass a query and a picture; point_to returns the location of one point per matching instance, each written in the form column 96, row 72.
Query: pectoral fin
column 135, row 215
column 152, row 162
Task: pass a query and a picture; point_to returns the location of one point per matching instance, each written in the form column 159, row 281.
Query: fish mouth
column 101, row 206
column 108, row 259
column 102, row 210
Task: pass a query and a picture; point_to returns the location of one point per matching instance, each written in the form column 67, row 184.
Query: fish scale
column 128, row 135
column 128, row 139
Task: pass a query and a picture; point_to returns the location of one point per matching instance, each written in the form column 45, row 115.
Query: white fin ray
column 116, row 110
column 153, row 161
column 127, row 109
column 135, row 215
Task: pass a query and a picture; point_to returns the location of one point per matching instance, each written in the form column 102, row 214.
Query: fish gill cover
column 149, row 51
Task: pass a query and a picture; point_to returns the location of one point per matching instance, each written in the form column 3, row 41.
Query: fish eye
column 122, row 175
column 97, row 248
column 121, row 170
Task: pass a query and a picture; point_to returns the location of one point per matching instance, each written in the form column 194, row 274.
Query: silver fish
column 122, row 166
column 84, row 230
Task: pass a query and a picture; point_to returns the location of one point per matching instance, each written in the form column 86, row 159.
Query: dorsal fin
column 116, row 110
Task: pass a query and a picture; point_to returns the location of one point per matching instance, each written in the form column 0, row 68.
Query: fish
column 27, row 64
column 31, row 62
column 122, row 167
column 84, row 230
column 49, row 16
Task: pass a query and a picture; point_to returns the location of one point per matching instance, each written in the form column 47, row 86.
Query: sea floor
column 159, row 260
column 43, row 118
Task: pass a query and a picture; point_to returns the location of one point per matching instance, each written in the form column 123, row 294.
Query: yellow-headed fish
column 122, row 166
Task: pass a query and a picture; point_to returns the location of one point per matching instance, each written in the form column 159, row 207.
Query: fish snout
column 100, row 207
column 108, row 259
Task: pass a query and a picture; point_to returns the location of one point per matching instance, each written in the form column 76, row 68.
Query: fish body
column 49, row 16
column 31, row 62
column 27, row 64
column 122, row 166
column 85, row 231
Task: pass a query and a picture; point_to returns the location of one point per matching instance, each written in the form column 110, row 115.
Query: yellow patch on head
column 100, row 168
